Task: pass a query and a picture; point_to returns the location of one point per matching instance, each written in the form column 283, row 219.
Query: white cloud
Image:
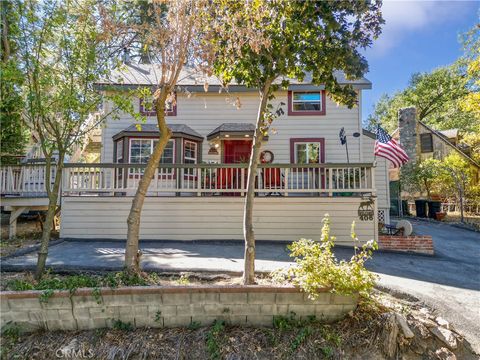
column 404, row 17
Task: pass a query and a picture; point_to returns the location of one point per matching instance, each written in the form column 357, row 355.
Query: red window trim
column 306, row 140
column 291, row 112
column 322, row 153
column 153, row 112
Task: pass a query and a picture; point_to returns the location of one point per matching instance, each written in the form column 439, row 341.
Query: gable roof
column 232, row 128
column 444, row 135
column 445, row 139
column 134, row 75
column 369, row 134
column 450, row 133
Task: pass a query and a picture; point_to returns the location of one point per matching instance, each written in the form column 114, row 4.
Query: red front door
column 236, row 151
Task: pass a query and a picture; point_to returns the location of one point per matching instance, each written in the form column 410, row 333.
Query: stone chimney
column 408, row 134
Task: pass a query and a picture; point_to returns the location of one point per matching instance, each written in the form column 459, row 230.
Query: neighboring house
column 422, row 142
column 197, row 191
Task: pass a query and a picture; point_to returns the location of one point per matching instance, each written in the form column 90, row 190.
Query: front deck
column 201, row 201
column 192, row 179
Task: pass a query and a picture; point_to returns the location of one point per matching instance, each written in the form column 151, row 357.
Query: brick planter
column 167, row 306
column 421, row 244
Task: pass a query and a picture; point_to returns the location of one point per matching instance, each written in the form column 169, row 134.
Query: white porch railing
column 194, row 179
column 24, row 180
column 208, row 179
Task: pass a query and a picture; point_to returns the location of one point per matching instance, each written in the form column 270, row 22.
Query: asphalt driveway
column 449, row 281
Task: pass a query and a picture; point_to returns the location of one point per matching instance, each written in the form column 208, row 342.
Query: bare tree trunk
column 427, row 188
column 460, row 193
column 5, row 31
column 248, row 232
column 132, row 256
column 51, row 212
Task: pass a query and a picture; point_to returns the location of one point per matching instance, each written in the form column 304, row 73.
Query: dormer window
column 306, row 103
column 147, row 107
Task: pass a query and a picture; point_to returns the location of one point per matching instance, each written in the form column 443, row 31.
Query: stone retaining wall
column 167, row 306
column 422, row 244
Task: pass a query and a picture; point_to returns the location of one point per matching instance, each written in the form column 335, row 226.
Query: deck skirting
column 215, row 218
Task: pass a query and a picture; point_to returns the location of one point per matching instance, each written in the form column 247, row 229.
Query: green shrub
column 122, row 326
column 317, row 267
column 213, row 339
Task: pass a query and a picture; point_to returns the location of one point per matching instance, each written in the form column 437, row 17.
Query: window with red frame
column 306, row 103
column 147, row 107
column 307, row 150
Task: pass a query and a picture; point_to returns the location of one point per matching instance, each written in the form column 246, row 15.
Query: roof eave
column 232, row 88
column 182, row 134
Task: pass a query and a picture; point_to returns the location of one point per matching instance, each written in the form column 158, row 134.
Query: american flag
column 388, row 148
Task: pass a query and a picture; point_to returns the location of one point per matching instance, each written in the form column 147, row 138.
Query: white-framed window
column 307, row 152
column 141, row 149
column 119, row 155
column 190, row 152
column 303, row 101
column 190, row 155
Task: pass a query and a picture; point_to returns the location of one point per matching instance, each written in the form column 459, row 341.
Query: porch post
column 179, row 160
column 375, row 202
column 375, row 218
column 14, row 214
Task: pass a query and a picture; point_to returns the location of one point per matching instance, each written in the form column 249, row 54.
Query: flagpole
column 346, row 148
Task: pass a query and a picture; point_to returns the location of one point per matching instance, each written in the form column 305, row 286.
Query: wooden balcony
column 192, row 180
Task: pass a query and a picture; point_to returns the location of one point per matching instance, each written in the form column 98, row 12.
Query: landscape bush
column 317, row 267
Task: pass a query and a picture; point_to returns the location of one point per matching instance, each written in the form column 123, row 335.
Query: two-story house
column 197, row 191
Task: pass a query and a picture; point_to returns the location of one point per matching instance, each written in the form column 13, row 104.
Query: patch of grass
column 10, row 336
column 12, row 331
column 74, row 282
column 327, row 351
column 300, row 337
column 183, row 280
column 213, row 339
column 122, row 326
column 194, row 325
column 330, row 335
column 285, row 323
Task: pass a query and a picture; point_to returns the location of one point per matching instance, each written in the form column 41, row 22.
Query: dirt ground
column 29, row 232
column 473, row 220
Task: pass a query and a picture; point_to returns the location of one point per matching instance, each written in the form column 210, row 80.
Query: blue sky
column 418, row 36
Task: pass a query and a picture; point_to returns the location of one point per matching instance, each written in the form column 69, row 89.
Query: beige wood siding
column 203, row 112
column 213, row 218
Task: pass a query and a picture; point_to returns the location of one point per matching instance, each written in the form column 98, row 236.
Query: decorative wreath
column 266, row 157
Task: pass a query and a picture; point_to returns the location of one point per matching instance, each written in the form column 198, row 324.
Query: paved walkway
column 450, row 281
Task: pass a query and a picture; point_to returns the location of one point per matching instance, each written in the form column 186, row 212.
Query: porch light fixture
column 246, row 135
column 227, row 136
